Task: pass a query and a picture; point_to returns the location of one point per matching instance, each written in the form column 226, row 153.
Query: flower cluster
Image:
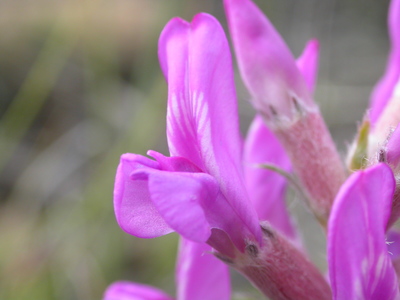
column 226, row 197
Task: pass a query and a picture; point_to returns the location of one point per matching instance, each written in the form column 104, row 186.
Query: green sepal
column 359, row 159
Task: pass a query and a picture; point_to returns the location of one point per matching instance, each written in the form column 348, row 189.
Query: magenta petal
column 200, row 275
column 267, row 66
column 200, row 87
column 153, row 198
column 267, row 189
column 196, row 60
column 383, row 91
column 134, row 210
column 181, row 199
column 124, row 290
column 360, row 266
column 393, row 149
column 308, row 64
column 174, row 39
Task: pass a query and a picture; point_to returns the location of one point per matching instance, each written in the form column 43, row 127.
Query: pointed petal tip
column 174, row 35
column 308, row 63
column 314, row 42
column 201, row 17
column 314, row 46
column 176, row 23
column 273, row 77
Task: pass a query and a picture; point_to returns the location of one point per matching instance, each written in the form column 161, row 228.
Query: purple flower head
column 200, row 188
column 199, row 276
column 200, row 191
column 360, row 265
column 212, row 191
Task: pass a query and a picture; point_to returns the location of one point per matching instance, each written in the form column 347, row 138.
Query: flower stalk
column 315, row 161
column 279, row 270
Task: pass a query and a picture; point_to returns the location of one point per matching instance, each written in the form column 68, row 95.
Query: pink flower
column 212, row 191
column 201, row 186
column 200, row 191
column 360, row 265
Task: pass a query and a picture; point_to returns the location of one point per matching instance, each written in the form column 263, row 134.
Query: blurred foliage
column 80, row 85
column 70, row 105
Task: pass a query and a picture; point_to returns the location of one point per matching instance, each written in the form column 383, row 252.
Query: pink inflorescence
column 225, row 197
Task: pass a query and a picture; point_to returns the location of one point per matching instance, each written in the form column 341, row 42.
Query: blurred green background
column 80, row 85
